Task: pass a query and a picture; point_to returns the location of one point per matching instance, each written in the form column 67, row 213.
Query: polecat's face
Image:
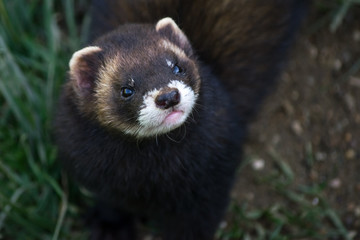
column 140, row 79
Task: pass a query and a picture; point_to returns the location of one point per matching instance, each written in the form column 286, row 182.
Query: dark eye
column 177, row 70
column 127, row 92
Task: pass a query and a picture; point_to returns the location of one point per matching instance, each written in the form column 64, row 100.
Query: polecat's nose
column 168, row 98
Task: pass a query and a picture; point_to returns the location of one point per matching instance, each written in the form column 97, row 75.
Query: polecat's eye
column 127, row 92
column 176, row 69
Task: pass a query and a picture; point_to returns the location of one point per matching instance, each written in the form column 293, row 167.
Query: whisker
column 184, row 133
column 171, row 139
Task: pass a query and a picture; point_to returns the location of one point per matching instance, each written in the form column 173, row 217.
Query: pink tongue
column 173, row 117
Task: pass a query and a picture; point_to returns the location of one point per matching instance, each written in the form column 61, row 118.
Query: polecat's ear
column 83, row 68
column 168, row 28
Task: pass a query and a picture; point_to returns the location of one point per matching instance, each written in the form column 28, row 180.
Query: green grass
column 303, row 213
column 37, row 39
column 34, row 52
column 334, row 11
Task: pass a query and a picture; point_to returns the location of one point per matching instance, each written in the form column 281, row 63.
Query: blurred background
column 300, row 175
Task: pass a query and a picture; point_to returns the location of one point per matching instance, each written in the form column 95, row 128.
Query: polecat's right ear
column 84, row 65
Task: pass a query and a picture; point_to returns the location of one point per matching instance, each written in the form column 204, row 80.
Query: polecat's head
column 140, row 79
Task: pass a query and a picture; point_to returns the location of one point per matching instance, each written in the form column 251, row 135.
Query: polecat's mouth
column 173, row 118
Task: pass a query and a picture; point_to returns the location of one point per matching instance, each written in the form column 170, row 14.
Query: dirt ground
column 312, row 122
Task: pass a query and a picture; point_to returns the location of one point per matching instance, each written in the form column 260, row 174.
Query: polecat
column 145, row 124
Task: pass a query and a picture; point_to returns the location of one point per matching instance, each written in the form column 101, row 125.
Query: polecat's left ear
column 168, row 28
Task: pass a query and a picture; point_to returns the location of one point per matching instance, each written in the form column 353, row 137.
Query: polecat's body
column 147, row 127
